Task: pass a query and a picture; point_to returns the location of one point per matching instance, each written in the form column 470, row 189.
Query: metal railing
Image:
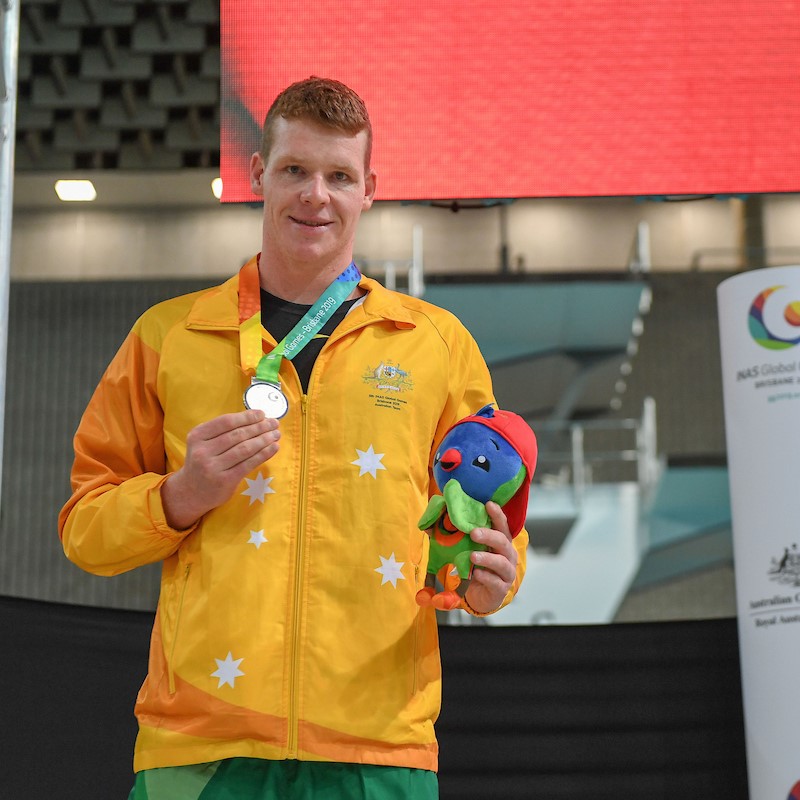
column 736, row 258
column 411, row 270
column 571, row 458
column 639, row 258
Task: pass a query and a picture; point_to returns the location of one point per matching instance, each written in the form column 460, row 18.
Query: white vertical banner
column 759, row 322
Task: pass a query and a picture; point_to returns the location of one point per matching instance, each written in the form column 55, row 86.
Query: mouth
column 310, row 223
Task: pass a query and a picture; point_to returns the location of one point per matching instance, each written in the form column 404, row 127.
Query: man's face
column 315, row 186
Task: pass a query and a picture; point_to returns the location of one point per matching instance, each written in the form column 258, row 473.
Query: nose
column 315, row 190
column 451, row 458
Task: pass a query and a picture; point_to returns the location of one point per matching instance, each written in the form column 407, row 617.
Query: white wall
column 88, row 244
column 782, row 228
column 590, row 234
column 543, row 236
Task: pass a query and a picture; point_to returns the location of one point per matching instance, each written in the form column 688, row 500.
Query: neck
column 302, row 285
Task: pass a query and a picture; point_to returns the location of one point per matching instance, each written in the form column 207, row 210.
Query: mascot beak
column 451, row 458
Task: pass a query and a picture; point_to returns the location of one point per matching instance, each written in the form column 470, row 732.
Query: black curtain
column 648, row 711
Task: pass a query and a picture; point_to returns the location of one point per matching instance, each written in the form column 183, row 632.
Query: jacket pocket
column 417, row 556
column 171, row 654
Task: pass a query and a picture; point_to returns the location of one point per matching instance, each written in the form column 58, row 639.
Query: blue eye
column 482, row 462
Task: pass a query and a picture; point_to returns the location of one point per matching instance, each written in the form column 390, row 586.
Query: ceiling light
column 216, row 187
column 75, row 191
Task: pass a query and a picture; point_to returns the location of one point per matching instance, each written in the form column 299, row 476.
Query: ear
column 370, row 184
column 257, row 174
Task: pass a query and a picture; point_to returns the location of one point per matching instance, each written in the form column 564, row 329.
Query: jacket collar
column 218, row 308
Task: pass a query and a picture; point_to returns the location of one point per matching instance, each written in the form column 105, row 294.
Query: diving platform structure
column 607, row 514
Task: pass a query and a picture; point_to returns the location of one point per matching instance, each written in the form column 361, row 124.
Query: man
column 288, row 655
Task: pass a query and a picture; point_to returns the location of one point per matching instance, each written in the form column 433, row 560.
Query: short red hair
column 324, row 101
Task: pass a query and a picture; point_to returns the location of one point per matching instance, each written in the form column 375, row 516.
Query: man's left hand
column 489, row 585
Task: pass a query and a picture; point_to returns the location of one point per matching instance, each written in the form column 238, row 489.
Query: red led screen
column 534, row 98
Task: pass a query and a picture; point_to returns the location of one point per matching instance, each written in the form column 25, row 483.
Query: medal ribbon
column 266, row 367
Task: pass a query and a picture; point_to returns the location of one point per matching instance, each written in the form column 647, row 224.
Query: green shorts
column 258, row 779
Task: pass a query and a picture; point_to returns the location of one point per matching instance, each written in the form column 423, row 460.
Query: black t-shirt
column 280, row 316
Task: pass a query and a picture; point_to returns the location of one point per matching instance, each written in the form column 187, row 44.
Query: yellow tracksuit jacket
column 286, row 624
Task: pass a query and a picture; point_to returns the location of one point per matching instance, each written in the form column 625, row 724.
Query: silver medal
column 266, row 397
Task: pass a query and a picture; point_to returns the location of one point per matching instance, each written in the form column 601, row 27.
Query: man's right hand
column 219, row 453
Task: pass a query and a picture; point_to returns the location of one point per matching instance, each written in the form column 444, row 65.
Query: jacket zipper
column 294, row 657
column 171, row 667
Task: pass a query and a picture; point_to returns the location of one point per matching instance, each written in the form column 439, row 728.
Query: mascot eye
column 437, row 458
column 482, row 462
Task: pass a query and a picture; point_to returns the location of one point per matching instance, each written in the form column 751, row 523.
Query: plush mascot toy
column 490, row 455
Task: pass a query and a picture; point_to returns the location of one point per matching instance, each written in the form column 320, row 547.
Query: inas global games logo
column 773, row 327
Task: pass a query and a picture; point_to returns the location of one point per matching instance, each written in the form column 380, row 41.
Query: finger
column 229, row 468
column 230, row 439
column 244, row 434
column 497, row 541
column 498, row 518
column 251, row 451
column 499, row 565
column 228, row 422
column 256, row 460
column 490, row 586
column 238, row 471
